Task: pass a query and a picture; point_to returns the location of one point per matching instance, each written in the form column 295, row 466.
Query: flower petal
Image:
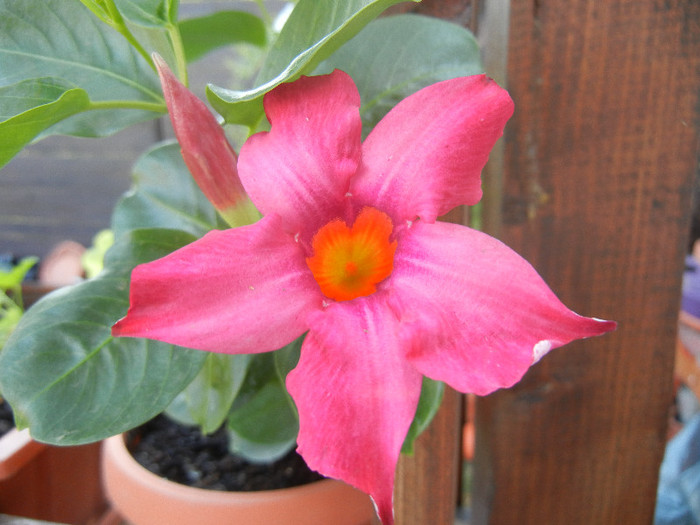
column 426, row 155
column 205, row 150
column 243, row 290
column 356, row 397
column 301, row 167
column 486, row 315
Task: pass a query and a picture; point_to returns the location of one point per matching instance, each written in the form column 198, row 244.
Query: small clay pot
column 143, row 498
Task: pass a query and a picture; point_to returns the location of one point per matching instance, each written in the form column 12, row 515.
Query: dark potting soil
column 182, row 454
column 7, row 422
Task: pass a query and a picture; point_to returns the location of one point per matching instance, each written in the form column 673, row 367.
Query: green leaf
column 396, row 56
column 430, row 398
column 10, row 315
column 153, row 23
column 148, row 13
column 139, row 246
column 206, row 33
column 312, row 33
column 62, row 39
column 69, row 380
column 11, row 302
column 208, row 399
column 164, row 195
column 263, row 423
column 30, row 106
column 92, row 260
column 12, row 278
column 286, row 359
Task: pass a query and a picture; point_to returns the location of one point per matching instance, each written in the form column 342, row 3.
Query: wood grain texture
column 65, row 188
column 599, row 161
column 427, row 481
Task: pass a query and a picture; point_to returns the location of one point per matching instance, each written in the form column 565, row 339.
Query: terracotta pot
column 143, row 498
column 17, row 448
column 42, row 482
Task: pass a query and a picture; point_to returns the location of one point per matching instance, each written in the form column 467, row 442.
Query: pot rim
column 115, row 447
column 17, row 448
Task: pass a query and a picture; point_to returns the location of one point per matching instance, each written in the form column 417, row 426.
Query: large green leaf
column 396, row 56
column 30, row 106
column 312, row 33
column 263, row 424
column 206, row 33
column 206, row 402
column 63, row 39
column 164, row 195
column 69, row 380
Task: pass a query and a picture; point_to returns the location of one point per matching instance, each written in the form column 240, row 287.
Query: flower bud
column 205, row 150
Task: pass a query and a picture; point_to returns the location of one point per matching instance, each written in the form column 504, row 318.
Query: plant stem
column 119, row 25
column 264, row 13
column 6, row 302
column 179, row 50
column 476, row 216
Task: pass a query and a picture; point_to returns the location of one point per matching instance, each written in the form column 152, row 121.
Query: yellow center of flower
column 350, row 262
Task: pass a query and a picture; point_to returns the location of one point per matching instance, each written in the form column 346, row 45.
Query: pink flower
column 349, row 251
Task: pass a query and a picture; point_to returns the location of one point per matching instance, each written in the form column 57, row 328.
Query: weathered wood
column 65, row 188
column 427, row 481
column 599, row 161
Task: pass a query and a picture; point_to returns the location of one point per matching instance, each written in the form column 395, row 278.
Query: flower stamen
column 350, row 262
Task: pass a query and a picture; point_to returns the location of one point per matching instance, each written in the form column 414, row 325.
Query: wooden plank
column 599, row 161
column 65, row 188
column 427, row 481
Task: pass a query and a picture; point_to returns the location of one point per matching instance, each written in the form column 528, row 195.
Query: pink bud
column 205, row 149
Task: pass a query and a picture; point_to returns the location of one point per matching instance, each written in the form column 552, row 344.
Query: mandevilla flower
column 349, row 251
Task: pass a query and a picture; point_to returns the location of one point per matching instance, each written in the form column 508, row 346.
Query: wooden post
column 427, row 481
column 599, row 162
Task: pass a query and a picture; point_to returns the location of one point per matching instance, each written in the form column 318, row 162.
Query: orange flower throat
column 350, row 262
